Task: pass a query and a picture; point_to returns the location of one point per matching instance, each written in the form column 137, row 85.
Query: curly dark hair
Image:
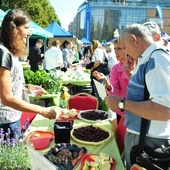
column 13, row 19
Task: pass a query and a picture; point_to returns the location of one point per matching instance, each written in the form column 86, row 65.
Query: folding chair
column 26, row 117
column 120, row 134
column 83, row 101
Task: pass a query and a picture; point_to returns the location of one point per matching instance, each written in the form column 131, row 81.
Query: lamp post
column 88, row 19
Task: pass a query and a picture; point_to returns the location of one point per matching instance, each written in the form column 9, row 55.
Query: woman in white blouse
column 98, row 54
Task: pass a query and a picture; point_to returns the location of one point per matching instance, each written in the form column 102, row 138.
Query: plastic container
column 62, row 131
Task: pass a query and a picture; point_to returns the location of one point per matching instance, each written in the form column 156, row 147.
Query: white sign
column 38, row 161
column 100, row 89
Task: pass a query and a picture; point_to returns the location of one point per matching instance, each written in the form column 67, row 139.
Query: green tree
column 40, row 11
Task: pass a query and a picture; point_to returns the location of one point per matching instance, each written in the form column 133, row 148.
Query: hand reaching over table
column 48, row 112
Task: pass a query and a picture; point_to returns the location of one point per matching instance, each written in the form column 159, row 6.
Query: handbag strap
column 145, row 122
column 144, row 125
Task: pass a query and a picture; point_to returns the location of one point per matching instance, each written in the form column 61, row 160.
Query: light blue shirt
column 157, row 76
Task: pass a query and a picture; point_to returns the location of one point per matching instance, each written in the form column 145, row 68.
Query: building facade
column 108, row 15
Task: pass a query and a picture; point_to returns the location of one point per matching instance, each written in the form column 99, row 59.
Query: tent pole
column 28, row 45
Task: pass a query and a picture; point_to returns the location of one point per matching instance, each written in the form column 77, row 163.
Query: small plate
column 89, row 133
column 95, row 112
column 40, row 139
column 90, row 158
column 61, row 117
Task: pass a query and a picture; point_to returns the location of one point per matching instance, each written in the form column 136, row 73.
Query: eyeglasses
column 118, row 49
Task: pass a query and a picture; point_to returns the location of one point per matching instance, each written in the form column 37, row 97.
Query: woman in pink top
column 118, row 79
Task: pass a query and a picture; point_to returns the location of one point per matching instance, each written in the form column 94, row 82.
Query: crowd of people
column 58, row 56
column 139, row 58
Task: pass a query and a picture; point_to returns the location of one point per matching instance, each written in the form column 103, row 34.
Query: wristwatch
column 121, row 104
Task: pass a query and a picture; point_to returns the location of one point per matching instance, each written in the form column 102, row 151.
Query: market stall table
column 76, row 76
column 42, row 124
column 76, row 79
column 78, row 82
column 48, row 99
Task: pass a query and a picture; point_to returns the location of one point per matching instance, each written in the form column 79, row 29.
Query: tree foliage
column 40, row 11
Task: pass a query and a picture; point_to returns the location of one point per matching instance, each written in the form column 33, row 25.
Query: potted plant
column 13, row 153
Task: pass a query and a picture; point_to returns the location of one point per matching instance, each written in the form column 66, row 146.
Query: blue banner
column 88, row 18
column 160, row 15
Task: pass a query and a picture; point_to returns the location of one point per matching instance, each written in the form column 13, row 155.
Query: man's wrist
column 121, row 104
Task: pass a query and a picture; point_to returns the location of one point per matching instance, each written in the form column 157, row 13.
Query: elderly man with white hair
column 156, row 33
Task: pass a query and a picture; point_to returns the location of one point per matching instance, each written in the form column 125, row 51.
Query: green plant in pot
column 13, row 152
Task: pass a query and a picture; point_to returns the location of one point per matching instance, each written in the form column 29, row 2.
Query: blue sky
column 66, row 10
